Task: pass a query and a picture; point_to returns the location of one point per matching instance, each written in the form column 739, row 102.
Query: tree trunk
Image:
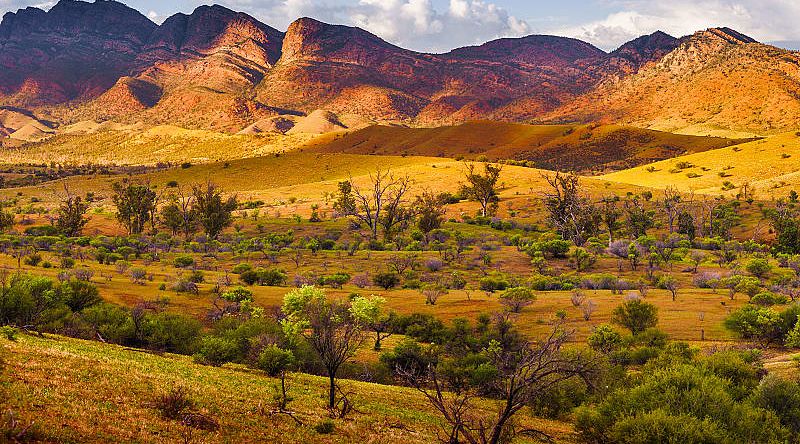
column 332, row 390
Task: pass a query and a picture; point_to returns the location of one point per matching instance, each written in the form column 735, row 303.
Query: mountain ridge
column 219, row 69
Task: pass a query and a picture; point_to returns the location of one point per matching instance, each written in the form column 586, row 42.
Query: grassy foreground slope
column 770, row 165
column 89, row 392
column 561, row 147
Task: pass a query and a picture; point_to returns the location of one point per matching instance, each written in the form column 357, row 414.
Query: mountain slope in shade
column 586, row 148
column 715, row 81
column 75, row 51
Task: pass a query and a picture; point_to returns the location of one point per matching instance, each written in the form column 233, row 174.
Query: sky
column 440, row 25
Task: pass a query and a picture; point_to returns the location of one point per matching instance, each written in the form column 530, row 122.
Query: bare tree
column 671, row 205
column 524, row 372
column 381, row 205
column 570, row 213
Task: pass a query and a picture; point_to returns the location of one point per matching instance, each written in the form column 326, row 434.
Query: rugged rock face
column 74, row 51
column 714, row 81
column 329, row 66
column 631, row 56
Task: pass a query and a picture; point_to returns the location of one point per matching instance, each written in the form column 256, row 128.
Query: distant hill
column 716, row 81
column 586, row 148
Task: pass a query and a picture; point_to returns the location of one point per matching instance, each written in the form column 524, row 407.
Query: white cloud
column 765, row 20
column 413, row 24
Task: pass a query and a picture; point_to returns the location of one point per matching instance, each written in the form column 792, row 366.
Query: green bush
column 386, row 280
column 268, row 277
column 494, row 283
column 172, row 333
column 241, row 268
column 334, row 280
column 274, row 360
column 183, row 261
column 78, row 294
column 216, row 351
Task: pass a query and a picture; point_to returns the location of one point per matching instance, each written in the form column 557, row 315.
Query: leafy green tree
column 71, row 215
column 605, row 339
column 345, row 203
column 214, row 212
column 179, row 214
column 482, row 188
column 136, row 205
column 516, row 298
column 430, row 212
column 635, row 315
column 334, row 329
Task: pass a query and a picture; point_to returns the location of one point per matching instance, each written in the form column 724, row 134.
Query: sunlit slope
column 554, row 147
column 70, row 388
column 771, row 165
column 136, row 146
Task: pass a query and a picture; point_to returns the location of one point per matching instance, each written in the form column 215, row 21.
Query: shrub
column 758, row 267
column 237, row 295
column 782, row 397
column 361, row 280
column 216, row 351
column 67, row 262
column 494, row 283
column 386, row 280
column 111, row 322
column 766, row 299
column 516, row 298
column 196, row 276
column 172, row 405
column 33, row 260
column 676, row 404
column 241, row 268
column 274, row 360
column 183, row 285
column 753, row 322
column 183, row 261
column 8, row 332
column 605, row 339
column 325, row 427
column 79, row 294
column 434, row 265
column 267, row 277
column 172, row 333
column 334, row 280
column 635, row 315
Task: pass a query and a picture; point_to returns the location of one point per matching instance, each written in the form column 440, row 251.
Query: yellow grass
column 88, row 392
column 771, row 165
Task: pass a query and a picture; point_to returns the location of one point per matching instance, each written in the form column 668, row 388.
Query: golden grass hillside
column 75, row 391
column 134, row 145
column 291, row 183
column 770, row 165
column 557, row 147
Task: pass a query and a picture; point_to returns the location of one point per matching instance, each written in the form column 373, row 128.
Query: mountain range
column 223, row 70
